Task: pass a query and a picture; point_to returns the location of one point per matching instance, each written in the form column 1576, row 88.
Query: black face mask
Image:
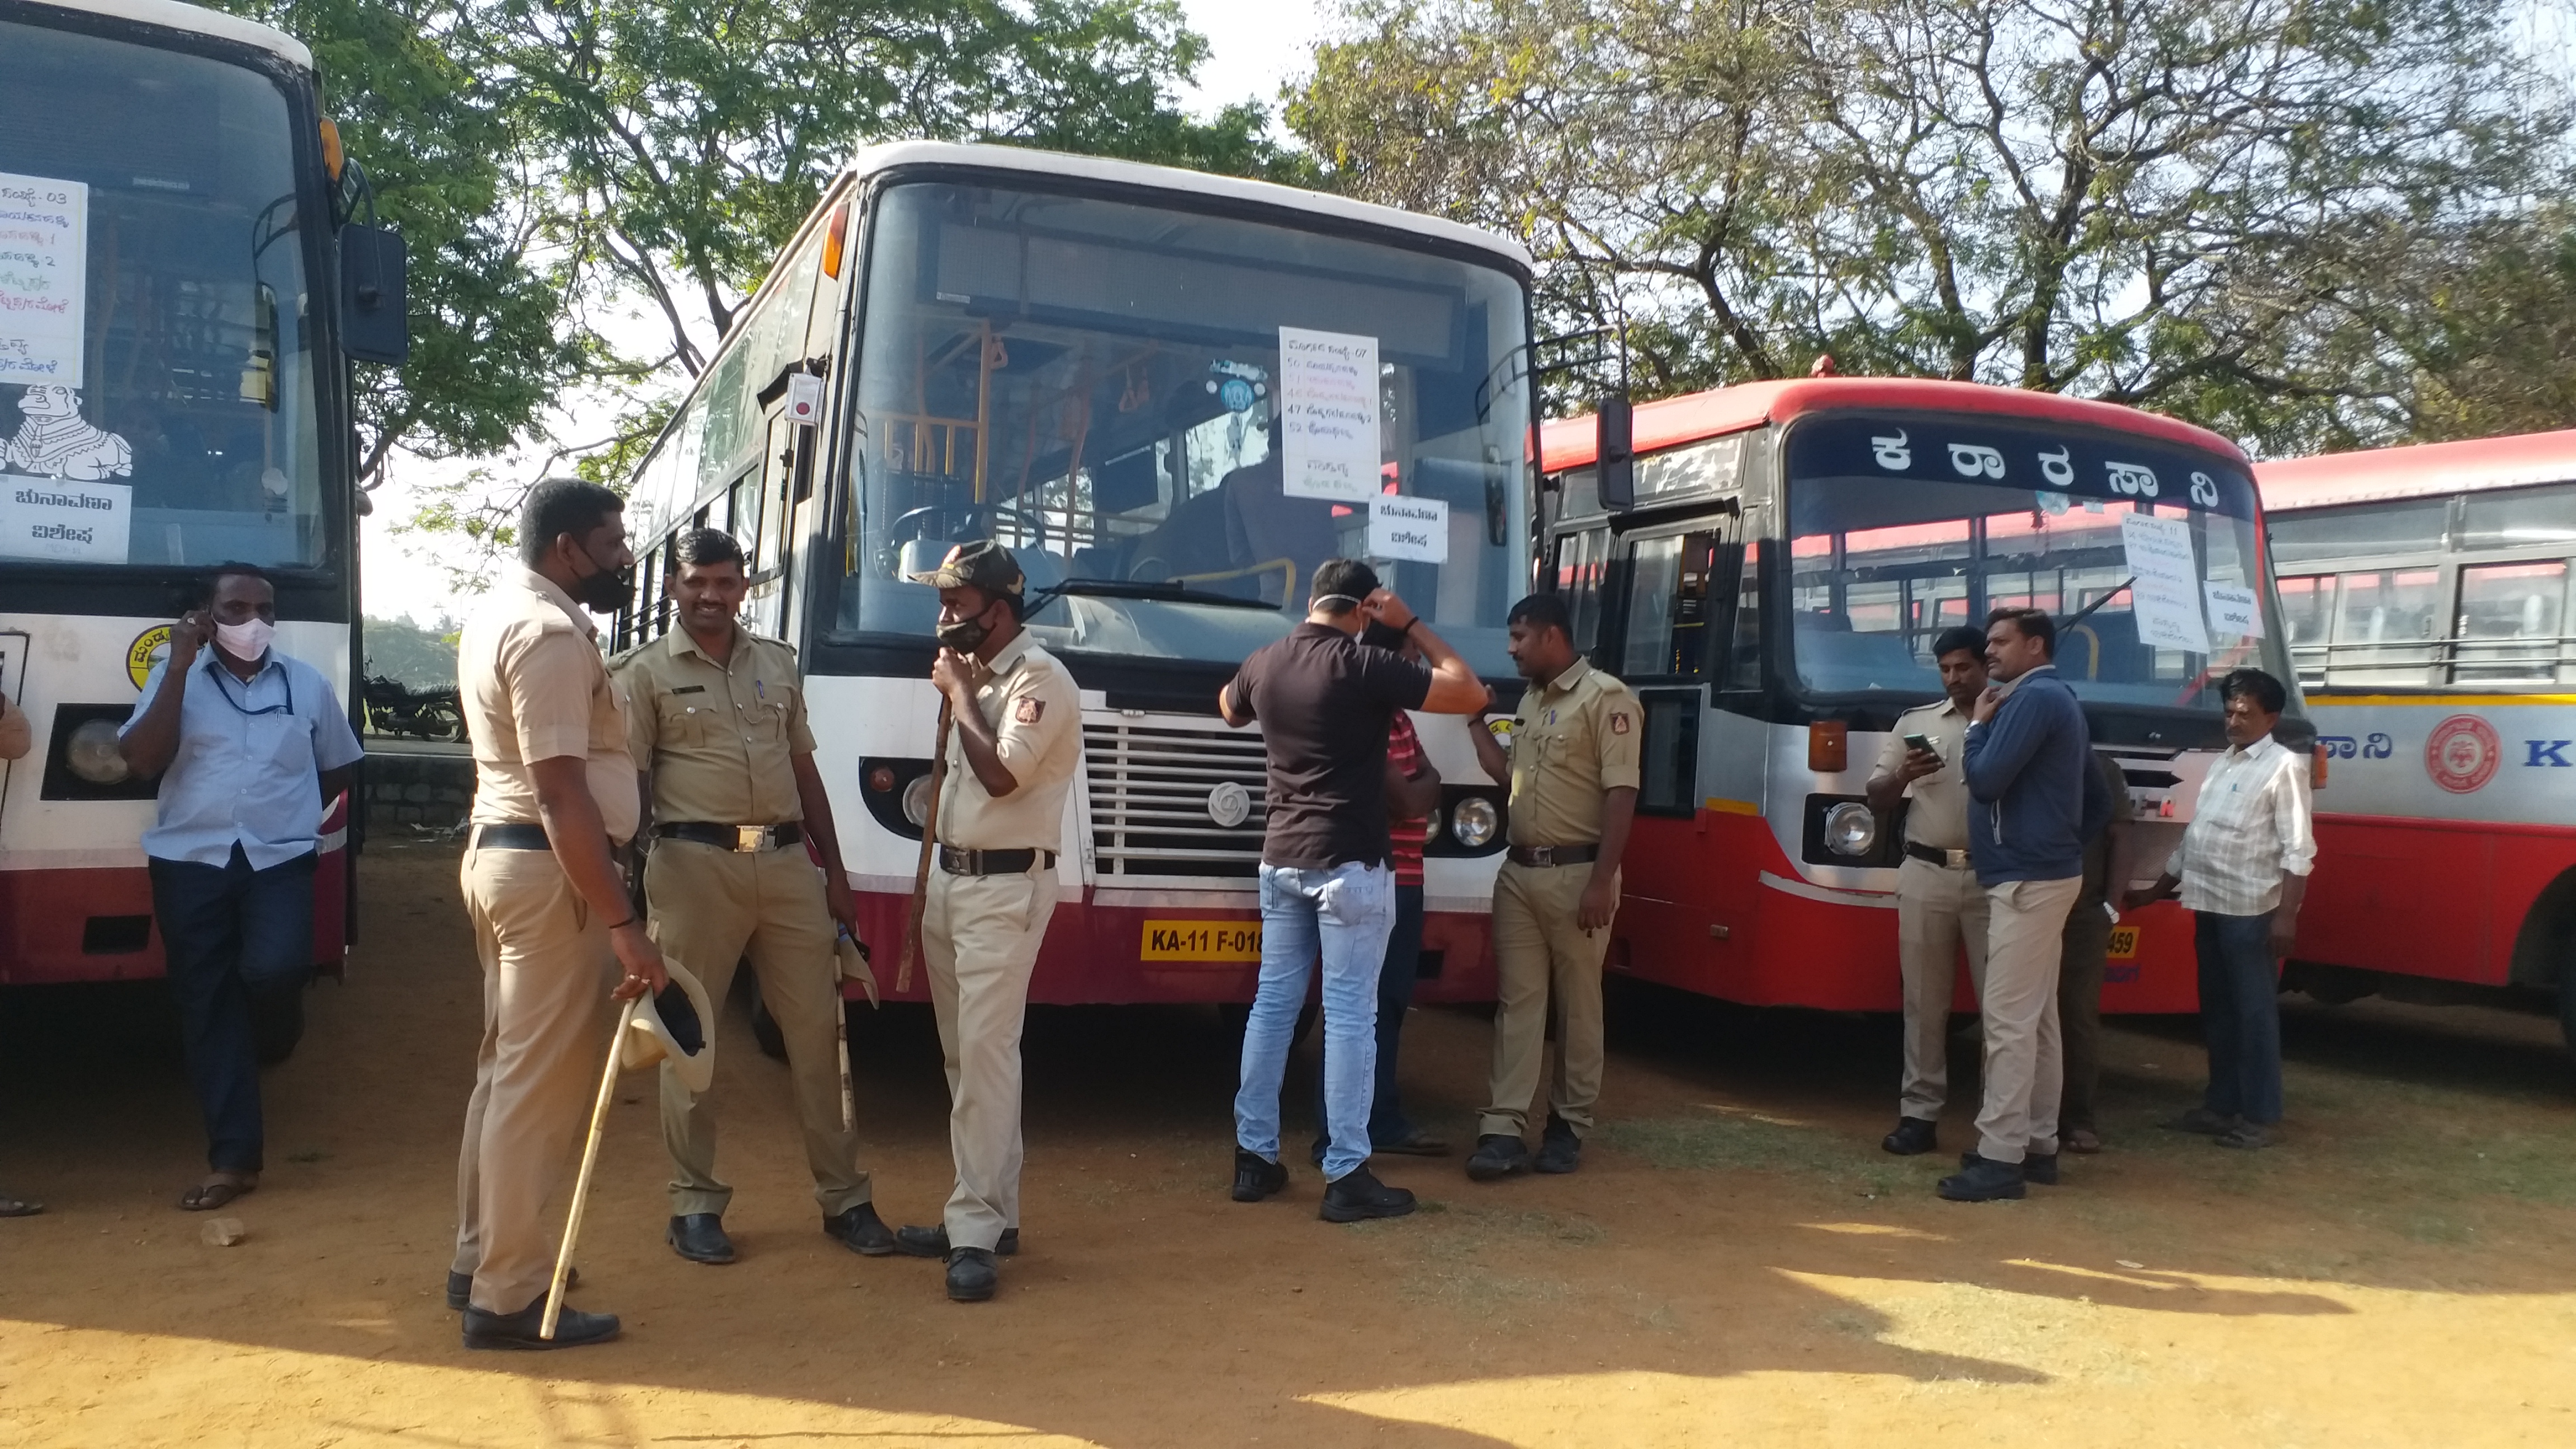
column 604, row 591
column 965, row 635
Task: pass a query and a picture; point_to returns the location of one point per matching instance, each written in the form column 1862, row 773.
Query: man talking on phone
column 1939, row 905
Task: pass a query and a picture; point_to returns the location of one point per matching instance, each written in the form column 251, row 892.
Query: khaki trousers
column 547, row 972
column 1937, row 911
column 1543, row 962
column 709, row 909
column 979, row 938
column 2025, row 1061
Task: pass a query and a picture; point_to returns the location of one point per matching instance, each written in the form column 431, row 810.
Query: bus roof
column 2421, row 471
column 1035, row 162
column 197, row 19
column 1568, row 442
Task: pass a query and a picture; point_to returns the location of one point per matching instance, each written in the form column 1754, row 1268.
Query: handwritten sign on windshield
column 1328, row 415
column 2167, row 587
column 1408, row 528
column 56, row 519
column 2232, row 612
column 44, row 274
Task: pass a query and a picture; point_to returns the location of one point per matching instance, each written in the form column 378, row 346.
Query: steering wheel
column 968, row 520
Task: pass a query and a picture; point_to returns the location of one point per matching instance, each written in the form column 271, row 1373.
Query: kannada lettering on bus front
column 1202, row 941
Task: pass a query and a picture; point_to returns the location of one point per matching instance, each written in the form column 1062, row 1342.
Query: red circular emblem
column 2462, row 753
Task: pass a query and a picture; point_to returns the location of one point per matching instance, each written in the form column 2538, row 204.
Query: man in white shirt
column 2241, row 870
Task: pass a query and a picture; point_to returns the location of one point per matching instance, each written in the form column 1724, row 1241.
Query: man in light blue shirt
column 248, row 744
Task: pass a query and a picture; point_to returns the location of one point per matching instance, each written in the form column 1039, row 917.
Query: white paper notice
column 2231, row 611
column 1408, row 528
column 1328, row 415
column 44, row 272
column 2167, row 582
column 74, row 522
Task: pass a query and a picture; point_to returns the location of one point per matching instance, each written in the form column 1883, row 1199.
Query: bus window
column 1665, row 628
column 2307, row 615
column 1581, row 558
column 2521, row 518
column 2509, row 622
column 2333, row 534
column 2386, row 630
column 1744, row 654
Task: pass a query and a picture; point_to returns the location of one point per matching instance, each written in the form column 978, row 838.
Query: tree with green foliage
column 2155, row 202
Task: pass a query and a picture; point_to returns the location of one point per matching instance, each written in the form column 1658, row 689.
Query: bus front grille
column 1162, row 790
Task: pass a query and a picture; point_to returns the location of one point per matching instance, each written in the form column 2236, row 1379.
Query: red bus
column 2424, row 591
column 1771, row 585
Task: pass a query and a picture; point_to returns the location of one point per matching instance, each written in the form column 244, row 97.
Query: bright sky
column 1254, row 49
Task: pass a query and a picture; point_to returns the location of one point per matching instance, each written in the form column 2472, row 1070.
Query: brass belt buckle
column 748, row 839
column 1542, row 855
column 1956, row 859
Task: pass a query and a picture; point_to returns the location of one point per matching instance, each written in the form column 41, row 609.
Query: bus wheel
column 276, row 1024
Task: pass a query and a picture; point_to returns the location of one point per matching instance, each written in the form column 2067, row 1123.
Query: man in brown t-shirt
column 1326, row 703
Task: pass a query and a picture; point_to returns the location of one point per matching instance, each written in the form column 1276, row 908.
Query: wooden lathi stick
column 929, row 843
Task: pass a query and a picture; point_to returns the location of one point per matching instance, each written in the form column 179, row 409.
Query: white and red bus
column 2425, row 592
column 1772, row 586
column 1158, row 388
column 179, row 293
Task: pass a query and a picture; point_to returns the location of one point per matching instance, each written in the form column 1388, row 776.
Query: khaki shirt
column 1036, row 715
column 718, row 738
column 1938, row 819
column 1574, row 739
column 535, row 688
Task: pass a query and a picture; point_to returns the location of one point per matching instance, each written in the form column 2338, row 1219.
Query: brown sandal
column 207, row 1196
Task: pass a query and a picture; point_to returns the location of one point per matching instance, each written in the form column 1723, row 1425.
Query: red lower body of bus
column 1697, row 913
column 64, row 926
column 2443, row 899
column 1094, row 956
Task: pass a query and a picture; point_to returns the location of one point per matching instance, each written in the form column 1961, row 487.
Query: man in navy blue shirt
column 253, row 743
column 2035, row 798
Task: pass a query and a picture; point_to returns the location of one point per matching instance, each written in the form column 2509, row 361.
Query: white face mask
column 245, row 641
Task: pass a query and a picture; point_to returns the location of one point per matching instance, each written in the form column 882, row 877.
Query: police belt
column 1545, row 855
column 1946, row 859
column 991, row 862
column 740, row 839
column 511, row 837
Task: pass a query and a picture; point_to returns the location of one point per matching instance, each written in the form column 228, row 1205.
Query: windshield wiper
column 2080, row 615
column 1155, row 590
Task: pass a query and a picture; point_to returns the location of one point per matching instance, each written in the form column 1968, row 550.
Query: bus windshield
column 157, row 362
column 1167, row 416
column 1900, row 528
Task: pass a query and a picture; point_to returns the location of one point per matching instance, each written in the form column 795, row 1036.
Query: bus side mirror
column 375, row 305
column 1615, row 452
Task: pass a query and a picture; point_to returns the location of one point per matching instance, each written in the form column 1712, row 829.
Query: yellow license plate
column 2124, row 943
column 1202, row 941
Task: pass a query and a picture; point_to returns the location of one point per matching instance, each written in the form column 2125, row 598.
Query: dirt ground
column 1737, row 1263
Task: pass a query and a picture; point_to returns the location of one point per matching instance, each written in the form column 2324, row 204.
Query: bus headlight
column 1850, row 829
column 92, row 754
column 916, row 801
column 1472, row 823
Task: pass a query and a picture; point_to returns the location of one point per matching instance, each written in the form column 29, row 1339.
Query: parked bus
column 2424, row 592
column 1172, row 395
column 1771, row 585
column 174, row 315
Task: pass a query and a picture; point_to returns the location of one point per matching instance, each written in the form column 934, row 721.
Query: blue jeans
column 1344, row 914
column 231, row 934
column 2240, row 1015
column 1387, row 1122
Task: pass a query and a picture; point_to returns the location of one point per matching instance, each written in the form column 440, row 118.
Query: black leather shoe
column 1559, row 1150
column 519, row 1330
column 971, row 1275
column 460, row 1288
column 1497, row 1155
column 861, row 1231
column 1257, row 1177
column 1913, row 1136
column 1983, row 1181
column 2035, row 1167
column 1357, row 1195
column 932, row 1242
column 700, row 1238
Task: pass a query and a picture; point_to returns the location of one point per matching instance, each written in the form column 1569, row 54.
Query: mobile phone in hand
column 1921, row 742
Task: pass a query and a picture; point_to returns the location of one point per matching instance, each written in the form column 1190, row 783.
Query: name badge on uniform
column 688, row 689
column 1028, row 711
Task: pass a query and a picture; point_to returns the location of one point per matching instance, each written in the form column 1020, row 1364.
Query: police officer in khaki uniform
column 1015, row 739
column 1938, row 901
column 718, row 725
column 554, row 797
column 1573, row 773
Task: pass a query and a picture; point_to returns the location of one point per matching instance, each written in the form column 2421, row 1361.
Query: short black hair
column 1542, row 611
column 1346, row 578
column 705, row 548
column 1951, row 641
column 557, row 506
column 2033, row 624
column 234, row 570
column 2266, row 692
